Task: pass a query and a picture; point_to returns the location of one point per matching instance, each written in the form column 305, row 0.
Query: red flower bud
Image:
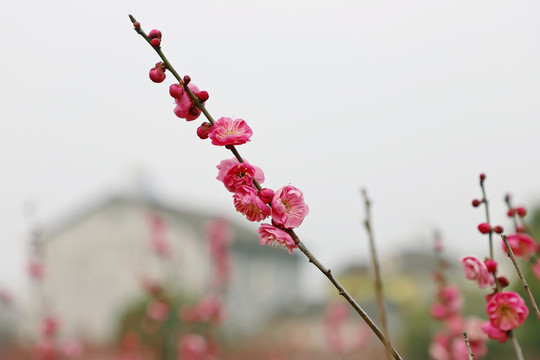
column 155, row 42
column 157, row 75
column 511, row 213
column 154, row 34
column 482, row 177
column 176, row 90
column 503, row 281
column 521, row 211
column 498, row 229
column 476, row 202
column 491, row 265
column 187, row 79
column 202, row 131
column 203, row 96
column 484, row 228
column 266, row 195
column 137, row 25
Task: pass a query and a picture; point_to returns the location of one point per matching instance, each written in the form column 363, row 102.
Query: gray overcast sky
column 412, row 99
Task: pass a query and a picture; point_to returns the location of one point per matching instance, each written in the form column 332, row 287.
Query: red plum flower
column 522, row 245
column 239, row 174
column 230, row 132
column 226, row 165
column 271, row 235
column 475, row 269
column 247, row 202
column 288, row 207
column 507, row 310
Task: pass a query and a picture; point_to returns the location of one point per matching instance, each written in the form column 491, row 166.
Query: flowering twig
column 469, row 353
column 375, row 262
column 155, row 43
column 486, row 207
column 521, row 277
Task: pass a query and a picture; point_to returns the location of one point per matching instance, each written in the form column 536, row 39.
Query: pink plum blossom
column 228, row 132
column 219, row 239
column 158, row 242
column 209, row 309
column 35, row 270
column 336, row 317
column 49, row 326
column 239, row 174
column 271, row 235
column 494, row 332
column 226, row 165
column 288, row 207
column 157, row 310
column 72, row 349
column 440, row 347
column 507, row 310
column 185, row 108
column 522, row 245
column 193, row 347
column 475, row 269
column 247, row 202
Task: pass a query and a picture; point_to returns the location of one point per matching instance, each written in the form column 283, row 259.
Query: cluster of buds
column 155, row 38
column 185, row 106
column 520, row 211
column 158, row 241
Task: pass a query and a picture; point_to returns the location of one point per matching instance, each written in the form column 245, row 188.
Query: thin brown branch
column 521, row 277
column 469, row 352
column 375, row 264
column 345, row 294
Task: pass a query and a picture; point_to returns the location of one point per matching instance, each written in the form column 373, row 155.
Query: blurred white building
column 95, row 259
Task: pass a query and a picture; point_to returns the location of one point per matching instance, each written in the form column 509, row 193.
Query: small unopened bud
column 491, row 265
column 266, row 195
column 137, row 25
column 203, row 96
column 154, row 34
column 176, row 90
column 476, row 202
column 521, row 211
column 482, row 177
column 484, row 228
column 155, row 42
column 157, row 75
column 511, row 213
column 498, row 229
column 507, row 197
column 503, row 281
column 202, row 131
column 187, row 79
